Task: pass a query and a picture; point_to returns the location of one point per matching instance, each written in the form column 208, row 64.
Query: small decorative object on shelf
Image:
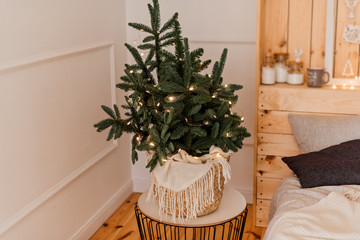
column 268, row 70
column 351, row 33
column 351, row 4
column 180, row 116
column 281, row 67
column 295, row 73
column 348, row 69
column 316, row 77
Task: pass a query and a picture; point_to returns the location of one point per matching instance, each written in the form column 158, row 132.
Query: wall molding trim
column 41, row 59
column 56, row 188
column 221, row 40
column 103, row 213
column 18, row 64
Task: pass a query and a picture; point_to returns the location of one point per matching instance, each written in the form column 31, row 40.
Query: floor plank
column 122, row 224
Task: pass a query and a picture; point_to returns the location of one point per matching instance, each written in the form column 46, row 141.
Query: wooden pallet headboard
column 274, row 134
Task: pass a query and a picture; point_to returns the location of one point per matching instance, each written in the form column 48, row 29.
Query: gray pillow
column 313, row 133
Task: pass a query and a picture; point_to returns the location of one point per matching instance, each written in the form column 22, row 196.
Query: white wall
column 59, row 60
column 213, row 25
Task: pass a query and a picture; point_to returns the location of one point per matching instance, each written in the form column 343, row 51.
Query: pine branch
column 136, row 55
column 187, row 64
column 195, row 109
column 198, row 131
column 146, row 46
column 215, row 130
column 104, row 124
column 169, row 23
column 155, row 15
column 109, row 111
column 197, row 53
column 179, row 45
column 171, row 87
column 141, row 27
column 148, row 39
column 179, row 132
column 220, row 68
column 167, row 36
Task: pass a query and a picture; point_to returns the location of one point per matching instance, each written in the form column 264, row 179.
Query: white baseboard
column 141, row 184
column 103, row 213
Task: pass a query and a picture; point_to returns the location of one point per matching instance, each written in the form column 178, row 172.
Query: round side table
column 227, row 222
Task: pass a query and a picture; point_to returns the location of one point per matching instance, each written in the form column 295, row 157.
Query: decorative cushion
column 313, row 133
column 335, row 165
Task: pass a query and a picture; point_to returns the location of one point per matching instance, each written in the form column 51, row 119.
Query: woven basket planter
column 209, row 207
column 198, row 198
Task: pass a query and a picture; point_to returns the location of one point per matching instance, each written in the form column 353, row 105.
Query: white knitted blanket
column 335, row 217
column 188, row 181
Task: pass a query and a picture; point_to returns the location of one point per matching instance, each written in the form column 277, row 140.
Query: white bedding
column 290, row 202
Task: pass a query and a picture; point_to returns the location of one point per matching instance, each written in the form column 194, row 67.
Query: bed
column 292, row 206
column 321, row 197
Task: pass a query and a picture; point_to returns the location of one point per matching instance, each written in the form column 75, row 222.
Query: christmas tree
column 171, row 104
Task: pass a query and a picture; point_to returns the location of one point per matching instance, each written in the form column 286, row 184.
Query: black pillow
column 335, row 165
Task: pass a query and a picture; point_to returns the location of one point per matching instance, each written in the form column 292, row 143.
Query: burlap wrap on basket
column 187, row 187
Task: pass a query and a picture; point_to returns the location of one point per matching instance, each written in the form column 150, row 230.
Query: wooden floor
column 122, row 224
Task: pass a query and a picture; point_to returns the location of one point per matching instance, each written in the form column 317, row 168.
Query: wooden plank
column 251, row 232
column 274, row 122
column 277, row 145
column 122, row 223
column 276, row 19
column 312, row 100
column 266, row 187
column 262, row 216
column 271, row 166
column 260, row 46
column 278, row 122
column 260, row 38
column 263, row 202
column 344, row 50
column 318, row 34
column 300, row 10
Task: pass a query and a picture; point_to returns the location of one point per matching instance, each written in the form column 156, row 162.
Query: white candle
column 268, row 75
column 295, row 78
column 281, row 73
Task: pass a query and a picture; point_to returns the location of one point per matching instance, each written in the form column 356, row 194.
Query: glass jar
column 268, row 70
column 295, row 73
column 281, row 67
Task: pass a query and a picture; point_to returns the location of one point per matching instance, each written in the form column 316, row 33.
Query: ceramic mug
column 316, row 77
